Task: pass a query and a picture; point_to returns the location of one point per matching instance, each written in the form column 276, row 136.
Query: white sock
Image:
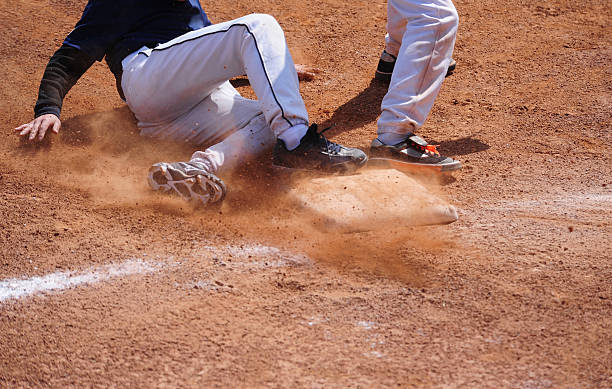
column 293, row 135
column 209, row 158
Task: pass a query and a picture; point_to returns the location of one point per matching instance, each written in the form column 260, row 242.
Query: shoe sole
column 204, row 188
column 413, row 167
column 340, row 168
column 346, row 167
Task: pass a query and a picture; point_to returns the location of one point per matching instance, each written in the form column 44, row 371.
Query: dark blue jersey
column 114, row 29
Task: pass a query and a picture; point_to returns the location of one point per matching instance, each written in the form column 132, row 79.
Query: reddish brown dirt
column 516, row 294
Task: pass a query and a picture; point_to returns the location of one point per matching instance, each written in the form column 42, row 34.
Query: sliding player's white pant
column 180, row 91
column 421, row 34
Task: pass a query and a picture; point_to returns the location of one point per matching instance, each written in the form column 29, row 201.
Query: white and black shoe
column 315, row 152
column 411, row 154
column 190, row 180
column 386, row 64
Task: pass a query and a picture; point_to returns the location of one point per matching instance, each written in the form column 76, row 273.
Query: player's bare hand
column 305, row 72
column 35, row 130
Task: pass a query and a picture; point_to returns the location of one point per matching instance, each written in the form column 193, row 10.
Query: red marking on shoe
column 432, row 149
column 428, row 149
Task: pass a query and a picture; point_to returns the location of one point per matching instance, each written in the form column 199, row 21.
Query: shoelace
column 330, row 147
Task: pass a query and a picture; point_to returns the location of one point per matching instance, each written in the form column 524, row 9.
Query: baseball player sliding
column 417, row 56
column 172, row 68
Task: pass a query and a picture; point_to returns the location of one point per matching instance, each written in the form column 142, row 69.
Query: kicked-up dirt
column 106, row 284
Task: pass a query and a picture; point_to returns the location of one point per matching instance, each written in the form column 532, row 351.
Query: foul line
column 17, row 288
column 235, row 257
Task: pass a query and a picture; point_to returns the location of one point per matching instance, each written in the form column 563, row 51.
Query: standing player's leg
column 423, row 58
column 396, row 27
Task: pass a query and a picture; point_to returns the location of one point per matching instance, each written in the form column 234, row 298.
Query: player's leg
column 236, row 150
column 199, row 178
column 396, row 27
column 184, row 70
column 233, row 125
column 209, row 121
column 240, row 128
column 236, row 127
column 247, row 132
column 422, row 62
column 188, row 68
column 424, row 55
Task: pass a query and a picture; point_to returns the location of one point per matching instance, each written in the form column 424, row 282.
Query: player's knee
column 264, row 21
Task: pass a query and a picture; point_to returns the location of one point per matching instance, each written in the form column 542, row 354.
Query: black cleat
column 386, row 64
column 190, row 180
column 315, row 152
column 451, row 67
column 412, row 153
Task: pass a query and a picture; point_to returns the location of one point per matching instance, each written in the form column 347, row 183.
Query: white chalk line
column 244, row 256
column 579, row 202
column 15, row 288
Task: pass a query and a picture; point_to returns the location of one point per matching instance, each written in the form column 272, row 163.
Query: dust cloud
column 103, row 156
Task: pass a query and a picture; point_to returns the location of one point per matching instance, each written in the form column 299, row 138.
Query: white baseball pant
column 180, row 91
column 421, row 34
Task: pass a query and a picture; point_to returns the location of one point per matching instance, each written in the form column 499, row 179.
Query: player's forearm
column 64, row 69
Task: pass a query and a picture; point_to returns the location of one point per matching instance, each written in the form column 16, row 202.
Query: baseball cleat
column 315, row 152
column 190, row 180
column 410, row 154
column 451, row 67
column 386, row 64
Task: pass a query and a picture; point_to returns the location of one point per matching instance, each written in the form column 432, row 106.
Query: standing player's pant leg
column 396, row 26
column 179, row 74
column 422, row 62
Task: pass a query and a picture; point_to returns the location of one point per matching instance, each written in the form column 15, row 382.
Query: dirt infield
column 104, row 284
